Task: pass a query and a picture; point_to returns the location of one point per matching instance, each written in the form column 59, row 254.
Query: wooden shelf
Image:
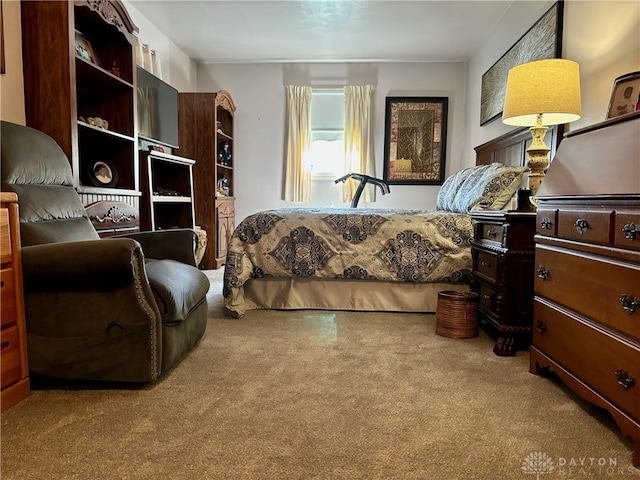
column 106, row 132
column 170, row 199
column 107, row 191
column 198, row 116
column 61, row 87
column 223, row 136
column 99, row 74
column 160, row 172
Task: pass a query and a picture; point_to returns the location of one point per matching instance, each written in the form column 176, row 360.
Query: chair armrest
column 89, row 264
column 175, row 244
column 90, row 312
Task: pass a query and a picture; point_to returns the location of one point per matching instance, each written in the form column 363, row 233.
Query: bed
column 370, row 259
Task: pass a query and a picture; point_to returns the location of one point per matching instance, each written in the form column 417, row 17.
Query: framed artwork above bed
column 415, row 140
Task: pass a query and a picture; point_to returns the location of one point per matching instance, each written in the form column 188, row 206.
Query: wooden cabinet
column 205, row 123
column 167, row 191
column 226, row 217
column 587, row 270
column 503, row 252
column 14, row 374
column 79, row 71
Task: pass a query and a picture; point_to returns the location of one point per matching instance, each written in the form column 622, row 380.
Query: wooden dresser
column 14, row 375
column 587, row 280
column 502, row 251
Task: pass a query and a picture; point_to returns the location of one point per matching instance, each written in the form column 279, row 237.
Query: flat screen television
column 157, row 110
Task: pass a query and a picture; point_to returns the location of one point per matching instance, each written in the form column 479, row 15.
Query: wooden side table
column 14, row 374
column 503, row 262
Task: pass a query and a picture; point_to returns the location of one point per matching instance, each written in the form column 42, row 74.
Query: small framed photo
column 625, row 97
column 102, row 173
column 84, row 49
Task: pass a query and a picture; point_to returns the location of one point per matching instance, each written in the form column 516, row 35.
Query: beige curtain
column 358, row 140
column 297, row 186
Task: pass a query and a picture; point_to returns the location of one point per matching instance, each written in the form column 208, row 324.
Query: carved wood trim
column 113, row 12
column 108, row 214
column 224, row 100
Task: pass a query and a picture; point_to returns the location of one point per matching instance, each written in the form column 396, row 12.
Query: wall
column 258, row 92
column 12, row 83
column 602, row 36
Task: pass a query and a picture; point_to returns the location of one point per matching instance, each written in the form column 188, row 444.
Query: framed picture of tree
column 415, row 140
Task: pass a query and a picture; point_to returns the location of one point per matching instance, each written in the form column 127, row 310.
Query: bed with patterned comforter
column 361, row 245
column 363, row 259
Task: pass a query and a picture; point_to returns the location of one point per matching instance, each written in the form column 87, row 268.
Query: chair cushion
column 177, row 287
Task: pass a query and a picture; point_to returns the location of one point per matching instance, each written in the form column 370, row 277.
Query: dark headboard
column 511, row 148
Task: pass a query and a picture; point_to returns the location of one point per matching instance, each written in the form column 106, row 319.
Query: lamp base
column 538, row 160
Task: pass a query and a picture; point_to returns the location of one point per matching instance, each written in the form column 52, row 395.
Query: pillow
column 490, row 189
column 450, row 187
column 501, row 184
column 470, row 191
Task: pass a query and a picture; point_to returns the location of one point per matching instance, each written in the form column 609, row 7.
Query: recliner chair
column 121, row 309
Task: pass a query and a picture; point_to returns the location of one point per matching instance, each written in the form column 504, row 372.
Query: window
column 326, row 155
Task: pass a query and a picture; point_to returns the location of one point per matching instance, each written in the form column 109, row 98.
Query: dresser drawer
column 487, row 296
column 601, row 360
column 547, row 222
column 6, row 253
column 10, row 371
column 487, row 265
column 627, row 230
column 7, row 297
column 489, row 232
column 590, row 285
column 592, row 226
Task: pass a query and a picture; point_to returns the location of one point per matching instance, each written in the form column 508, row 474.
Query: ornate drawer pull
column 491, row 233
column 631, row 231
column 581, row 225
column 541, row 327
column 486, row 297
column 545, row 223
column 629, row 303
column 624, row 379
column 485, row 264
column 543, row 273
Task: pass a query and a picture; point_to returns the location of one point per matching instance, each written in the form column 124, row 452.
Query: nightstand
column 503, row 263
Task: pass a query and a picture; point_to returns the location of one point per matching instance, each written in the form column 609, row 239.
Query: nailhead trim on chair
column 138, row 267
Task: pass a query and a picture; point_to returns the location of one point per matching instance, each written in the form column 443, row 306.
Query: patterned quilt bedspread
column 346, row 243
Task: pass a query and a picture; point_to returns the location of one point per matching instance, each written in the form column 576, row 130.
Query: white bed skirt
column 314, row 294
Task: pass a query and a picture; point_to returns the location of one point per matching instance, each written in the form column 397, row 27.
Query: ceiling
column 239, row 31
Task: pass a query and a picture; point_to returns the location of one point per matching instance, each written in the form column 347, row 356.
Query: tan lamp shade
column 550, row 88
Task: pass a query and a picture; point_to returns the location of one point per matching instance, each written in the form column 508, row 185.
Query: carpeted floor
column 319, row 395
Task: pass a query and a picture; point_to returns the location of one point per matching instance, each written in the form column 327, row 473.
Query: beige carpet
column 319, row 395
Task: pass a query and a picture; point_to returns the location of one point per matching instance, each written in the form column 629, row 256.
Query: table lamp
column 539, row 94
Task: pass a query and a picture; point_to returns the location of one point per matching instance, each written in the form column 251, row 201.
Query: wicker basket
column 457, row 314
